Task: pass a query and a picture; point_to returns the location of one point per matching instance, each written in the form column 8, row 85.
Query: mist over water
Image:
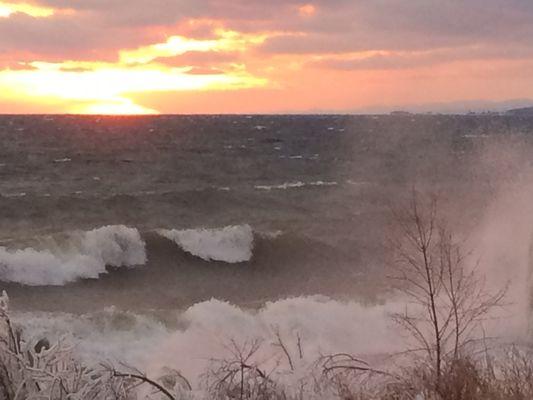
column 155, row 239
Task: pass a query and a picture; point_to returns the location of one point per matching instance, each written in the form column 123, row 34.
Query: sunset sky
column 261, row 56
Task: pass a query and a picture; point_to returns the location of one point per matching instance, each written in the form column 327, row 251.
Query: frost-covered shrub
column 38, row 370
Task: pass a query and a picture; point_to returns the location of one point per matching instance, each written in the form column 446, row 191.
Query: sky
column 261, row 56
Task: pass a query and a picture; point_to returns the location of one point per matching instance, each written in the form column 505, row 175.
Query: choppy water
column 308, row 198
column 129, row 233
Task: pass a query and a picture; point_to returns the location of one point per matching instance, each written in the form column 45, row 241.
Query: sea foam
column 81, row 255
column 204, row 331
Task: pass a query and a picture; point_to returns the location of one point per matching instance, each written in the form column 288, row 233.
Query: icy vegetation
column 291, row 349
column 232, row 244
column 39, row 370
column 81, row 255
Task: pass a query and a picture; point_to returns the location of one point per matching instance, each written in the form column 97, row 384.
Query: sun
column 103, row 88
column 122, row 107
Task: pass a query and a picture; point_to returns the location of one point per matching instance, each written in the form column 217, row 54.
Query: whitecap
column 232, row 244
column 82, row 255
column 20, row 194
column 283, row 186
column 62, row 160
column 323, row 183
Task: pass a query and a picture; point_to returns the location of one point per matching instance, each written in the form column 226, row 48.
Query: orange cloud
column 7, row 9
column 226, row 41
column 307, row 10
column 102, row 86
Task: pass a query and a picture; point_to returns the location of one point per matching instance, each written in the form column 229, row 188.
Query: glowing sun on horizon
column 122, row 107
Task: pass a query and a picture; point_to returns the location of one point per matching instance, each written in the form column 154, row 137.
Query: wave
column 232, row 244
column 9, row 195
column 101, row 335
column 62, row 160
column 187, row 340
column 283, row 186
column 81, row 255
column 190, row 340
column 293, row 185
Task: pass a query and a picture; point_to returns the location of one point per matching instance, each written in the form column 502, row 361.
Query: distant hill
column 400, row 113
column 525, row 111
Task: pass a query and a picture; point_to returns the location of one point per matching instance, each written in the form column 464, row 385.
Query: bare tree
column 447, row 297
column 280, row 343
column 239, row 376
column 134, row 378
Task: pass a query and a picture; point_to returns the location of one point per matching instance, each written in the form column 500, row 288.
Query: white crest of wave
column 310, row 327
column 325, row 326
column 103, row 335
column 83, row 255
column 231, row 244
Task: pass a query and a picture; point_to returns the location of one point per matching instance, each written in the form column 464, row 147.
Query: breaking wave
column 188, row 339
column 294, row 185
column 111, row 333
column 81, row 255
column 232, row 244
